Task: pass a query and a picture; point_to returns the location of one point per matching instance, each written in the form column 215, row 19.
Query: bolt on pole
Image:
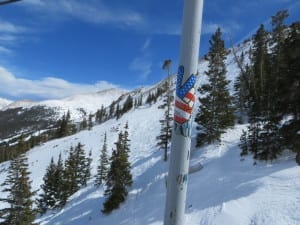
column 184, row 102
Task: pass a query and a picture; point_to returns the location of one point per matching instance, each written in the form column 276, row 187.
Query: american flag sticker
column 185, row 97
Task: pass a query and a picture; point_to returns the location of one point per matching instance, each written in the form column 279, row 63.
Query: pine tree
column 60, row 196
column 102, row 168
column 126, row 140
column 19, row 200
column 264, row 138
column 118, row 113
column 128, row 104
column 119, row 178
column 47, row 198
column 65, row 126
column 90, row 122
column 166, row 123
column 77, row 170
column 100, row 115
column 112, row 109
column 87, row 169
column 243, row 143
column 241, row 89
column 279, row 65
column 215, row 112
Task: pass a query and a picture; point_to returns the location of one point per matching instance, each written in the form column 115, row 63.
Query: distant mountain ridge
column 4, row 103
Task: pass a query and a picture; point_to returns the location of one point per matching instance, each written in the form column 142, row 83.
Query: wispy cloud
column 141, row 66
column 146, row 45
column 91, row 11
column 5, row 50
column 9, row 34
column 45, row 88
column 7, row 27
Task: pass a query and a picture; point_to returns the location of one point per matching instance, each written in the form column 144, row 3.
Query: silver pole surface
column 184, row 102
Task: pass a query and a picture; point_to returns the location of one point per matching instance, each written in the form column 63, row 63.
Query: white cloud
column 46, row 88
column 7, row 27
column 227, row 28
column 142, row 66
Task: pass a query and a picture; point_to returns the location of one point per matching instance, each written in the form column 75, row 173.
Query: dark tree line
column 62, row 179
column 267, row 92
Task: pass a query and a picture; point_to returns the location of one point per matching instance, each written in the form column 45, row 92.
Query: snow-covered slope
column 226, row 191
column 4, row 102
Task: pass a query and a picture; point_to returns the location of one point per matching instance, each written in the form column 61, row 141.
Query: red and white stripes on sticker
column 184, row 107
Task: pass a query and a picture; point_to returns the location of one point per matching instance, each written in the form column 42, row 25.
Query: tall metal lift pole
column 184, row 102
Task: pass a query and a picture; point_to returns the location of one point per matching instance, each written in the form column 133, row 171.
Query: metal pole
column 8, row 1
column 184, row 102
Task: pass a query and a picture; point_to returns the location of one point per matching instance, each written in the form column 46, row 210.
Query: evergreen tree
column 100, row 115
column 291, row 91
column 243, row 143
column 102, row 168
column 60, row 196
column 128, row 104
column 19, row 201
column 112, row 109
column 47, row 198
column 119, row 178
column 264, row 138
column 215, row 112
column 90, row 122
column 77, row 166
column 118, row 113
column 87, row 169
column 241, row 90
column 166, row 123
column 126, row 140
column 65, row 126
column 83, row 124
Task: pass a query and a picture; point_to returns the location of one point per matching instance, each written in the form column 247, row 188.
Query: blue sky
column 53, row 49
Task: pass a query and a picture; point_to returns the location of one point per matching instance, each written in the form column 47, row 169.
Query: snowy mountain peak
column 4, row 103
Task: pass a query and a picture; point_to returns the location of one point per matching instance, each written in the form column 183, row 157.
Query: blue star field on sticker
column 182, row 90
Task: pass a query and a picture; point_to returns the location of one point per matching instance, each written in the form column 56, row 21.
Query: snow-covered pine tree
column 19, row 200
column 216, row 112
column 102, row 168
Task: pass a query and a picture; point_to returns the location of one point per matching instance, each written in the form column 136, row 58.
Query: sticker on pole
column 184, row 102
